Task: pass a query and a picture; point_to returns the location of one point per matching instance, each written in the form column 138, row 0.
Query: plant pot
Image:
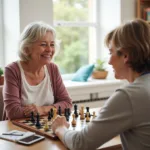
column 1, row 80
column 99, row 74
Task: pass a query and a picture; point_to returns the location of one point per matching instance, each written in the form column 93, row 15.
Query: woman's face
column 43, row 50
column 118, row 63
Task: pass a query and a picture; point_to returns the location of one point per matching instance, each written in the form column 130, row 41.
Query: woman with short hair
column 127, row 111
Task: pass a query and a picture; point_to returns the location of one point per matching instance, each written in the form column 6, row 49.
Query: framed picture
column 146, row 14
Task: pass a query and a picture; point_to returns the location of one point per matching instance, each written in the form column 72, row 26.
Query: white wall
column 35, row 10
column 128, row 10
column 17, row 14
column 110, row 18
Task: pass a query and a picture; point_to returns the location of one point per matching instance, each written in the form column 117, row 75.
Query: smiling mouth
column 47, row 56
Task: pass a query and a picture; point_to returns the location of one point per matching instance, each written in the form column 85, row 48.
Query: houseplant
column 99, row 70
column 1, row 76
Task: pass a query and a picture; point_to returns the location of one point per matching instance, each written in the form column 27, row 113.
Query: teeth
column 47, row 56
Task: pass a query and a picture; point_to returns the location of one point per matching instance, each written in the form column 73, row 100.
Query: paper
column 15, row 135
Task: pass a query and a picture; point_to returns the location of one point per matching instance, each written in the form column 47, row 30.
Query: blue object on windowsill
column 83, row 73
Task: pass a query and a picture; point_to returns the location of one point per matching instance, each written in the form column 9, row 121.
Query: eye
column 44, row 44
column 52, row 45
column 110, row 53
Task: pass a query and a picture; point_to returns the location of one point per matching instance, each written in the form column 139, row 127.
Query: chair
column 1, row 102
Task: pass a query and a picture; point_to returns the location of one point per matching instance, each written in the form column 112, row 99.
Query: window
column 76, row 27
column 1, row 36
column 81, row 26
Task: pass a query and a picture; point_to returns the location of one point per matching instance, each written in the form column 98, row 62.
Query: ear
column 27, row 51
column 126, row 58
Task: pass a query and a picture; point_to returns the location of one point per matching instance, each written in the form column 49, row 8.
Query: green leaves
column 99, row 65
column 1, row 72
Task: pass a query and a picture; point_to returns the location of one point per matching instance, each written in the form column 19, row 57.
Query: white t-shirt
column 41, row 94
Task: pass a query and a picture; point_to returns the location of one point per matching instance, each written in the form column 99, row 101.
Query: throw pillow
column 83, row 73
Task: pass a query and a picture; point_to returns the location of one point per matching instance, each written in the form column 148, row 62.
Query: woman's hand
column 33, row 108
column 59, row 126
column 42, row 110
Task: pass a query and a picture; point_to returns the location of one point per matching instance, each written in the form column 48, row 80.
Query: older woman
column 34, row 84
column 127, row 111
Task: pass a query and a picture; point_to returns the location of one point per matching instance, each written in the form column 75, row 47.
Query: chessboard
column 78, row 119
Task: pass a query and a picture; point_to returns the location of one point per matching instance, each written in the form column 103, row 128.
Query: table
column 46, row 144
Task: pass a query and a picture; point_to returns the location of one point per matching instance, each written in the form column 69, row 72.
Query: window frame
column 2, row 58
column 94, row 24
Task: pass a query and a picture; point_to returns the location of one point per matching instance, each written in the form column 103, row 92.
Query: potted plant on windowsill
column 1, row 76
column 99, row 70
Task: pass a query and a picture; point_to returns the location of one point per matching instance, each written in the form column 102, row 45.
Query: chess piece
column 69, row 111
column 87, row 117
column 76, row 110
column 49, row 116
column 82, row 113
column 66, row 114
column 51, row 112
column 32, row 117
column 94, row 114
column 46, row 127
column 38, row 125
column 73, row 121
column 87, row 110
column 54, row 113
column 59, row 111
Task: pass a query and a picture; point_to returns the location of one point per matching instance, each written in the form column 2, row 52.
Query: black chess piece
column 76, row 111
column 32, row 117
column 52, row 113
column 38, row 125
column 59, row 111
column 87, row 110
column 66, row 114
column 69, row 112
column 49, row 116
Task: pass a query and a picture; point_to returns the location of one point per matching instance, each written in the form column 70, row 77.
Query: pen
column 14, row 134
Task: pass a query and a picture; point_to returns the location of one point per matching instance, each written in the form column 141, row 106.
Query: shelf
column 143, row 9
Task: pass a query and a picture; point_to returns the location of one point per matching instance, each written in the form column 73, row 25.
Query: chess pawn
column 73, row 121
column 46, row 127
column 94, row 114
column 87, row 117
column 82, row 113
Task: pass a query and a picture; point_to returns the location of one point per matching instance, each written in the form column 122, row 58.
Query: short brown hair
column 133, row 38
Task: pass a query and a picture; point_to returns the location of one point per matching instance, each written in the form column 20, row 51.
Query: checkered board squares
column 27, row 124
